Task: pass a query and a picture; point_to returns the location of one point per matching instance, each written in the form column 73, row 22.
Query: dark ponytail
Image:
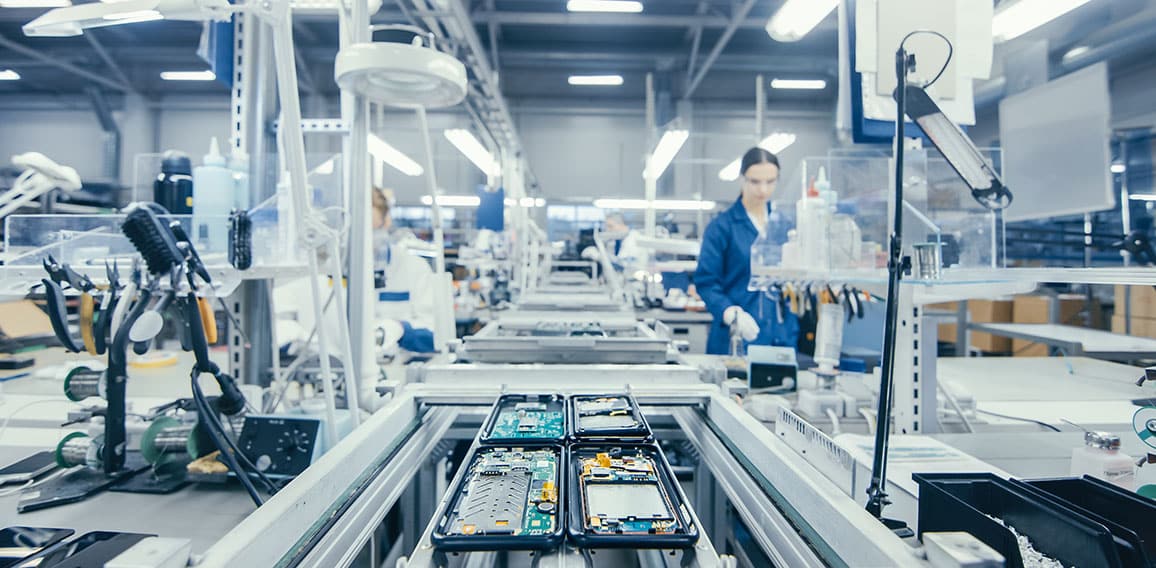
column 756, row 156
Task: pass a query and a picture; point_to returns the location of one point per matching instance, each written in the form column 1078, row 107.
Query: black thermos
column 173, row 188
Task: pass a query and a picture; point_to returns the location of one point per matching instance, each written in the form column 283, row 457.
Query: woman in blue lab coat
column 724, row 264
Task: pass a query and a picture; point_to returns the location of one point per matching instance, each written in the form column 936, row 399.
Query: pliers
column 108, row 302
column 59, row 274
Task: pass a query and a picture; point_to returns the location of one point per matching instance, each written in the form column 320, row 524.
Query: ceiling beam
column 108, row 61
column 34, row 54
column 615, row 20
column 737, row 19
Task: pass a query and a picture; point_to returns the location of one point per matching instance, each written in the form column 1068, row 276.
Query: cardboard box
column 990, row 311
column 1141, row 327
column 1038, row 309
column 946, row 330
column 1143, row 301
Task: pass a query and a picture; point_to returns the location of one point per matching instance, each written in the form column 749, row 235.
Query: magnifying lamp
column 403, row 75
column 957, row 148
column 73, row 20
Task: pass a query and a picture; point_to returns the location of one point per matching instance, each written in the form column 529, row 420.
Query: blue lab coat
column 724, row 271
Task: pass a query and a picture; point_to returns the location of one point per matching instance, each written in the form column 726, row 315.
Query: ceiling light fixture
column 799, row 84
column 469, row 146
column 383, row 151
column 34, row 3
column 9, row 75
column 668, row 147
column 659, row 204
column 453, row 200
column 1118, row 168
column 613, row 6
column 796, row 18
column 73, row 20
column 774, row 144
column 1014, row 19
column 526, row 202
column 595, row 80
column 188, row 75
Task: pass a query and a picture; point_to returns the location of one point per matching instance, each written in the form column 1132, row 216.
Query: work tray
column 578, row 341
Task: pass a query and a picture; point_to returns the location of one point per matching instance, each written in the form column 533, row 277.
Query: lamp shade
column 401, row 74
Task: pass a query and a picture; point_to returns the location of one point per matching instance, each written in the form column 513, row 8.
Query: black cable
column 205, row 411
column 243, row 467
column 270, row 486
column 1020, row 419
column 946, row 62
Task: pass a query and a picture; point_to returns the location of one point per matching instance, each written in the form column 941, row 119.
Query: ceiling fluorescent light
column 616, row 6
column 774, row 144
column 1014, row 19
column 1118, row 168
column 596, row 80
column 34, row 3
column 188, row 75
column 453, row 200
column 469, row 146
column 659, row 204
column 526, row 202
column 664, row 153
column 804, row 84
column 1142, row 197
column 796, row 18
column 381, row 150
column 9, row 75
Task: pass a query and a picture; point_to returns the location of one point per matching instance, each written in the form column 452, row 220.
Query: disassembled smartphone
column 610, row 417
column 507, row 498
column 28, row 468
column 626, row 496
column 521, row 419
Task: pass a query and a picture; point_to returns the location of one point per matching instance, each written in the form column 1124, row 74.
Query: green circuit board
column 530, row 421
column 622, row 494
column 508, row 492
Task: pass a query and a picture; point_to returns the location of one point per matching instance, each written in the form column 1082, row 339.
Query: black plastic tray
column 1129, row 516
column 685, row 538
column 639, row 434
column 506, row 400
column 963, row 501
column 468, row 543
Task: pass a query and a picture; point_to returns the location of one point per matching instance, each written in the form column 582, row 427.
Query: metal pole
column 651, row 141
column 1126, row 219
column 432, row 184
column 760, row 106
column 876, row 491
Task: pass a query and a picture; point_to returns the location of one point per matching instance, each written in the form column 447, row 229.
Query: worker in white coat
column 627, row 250
column 405, row 309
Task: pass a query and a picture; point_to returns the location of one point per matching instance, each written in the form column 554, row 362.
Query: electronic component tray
column 638, row 503
column 526, row 419
column 615, row 423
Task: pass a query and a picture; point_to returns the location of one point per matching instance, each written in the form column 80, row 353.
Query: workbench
column 1075, row 341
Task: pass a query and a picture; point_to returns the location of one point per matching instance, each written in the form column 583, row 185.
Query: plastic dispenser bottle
column 1101, row 457
column 828, row 348
column 215, row 187
column 173, row 188
column 813, row 216
column 239, row 164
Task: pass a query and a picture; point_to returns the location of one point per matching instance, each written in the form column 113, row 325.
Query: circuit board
column 508, row 492
column 538, row 420
column 622, row 494
column 605, row 413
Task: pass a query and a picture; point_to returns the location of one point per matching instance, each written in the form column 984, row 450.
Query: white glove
column 591, row 253
column 735, row 317
column 389, row 334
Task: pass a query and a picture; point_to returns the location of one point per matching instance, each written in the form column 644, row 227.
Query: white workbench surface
column 1086, row 391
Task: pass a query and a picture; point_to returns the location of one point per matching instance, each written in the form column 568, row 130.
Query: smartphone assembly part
column 507, row 498
column 625, row 496
column 607, row 417
column 522, row 419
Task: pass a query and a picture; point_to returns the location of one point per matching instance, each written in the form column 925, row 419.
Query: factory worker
column 724, row 264
column 405, row 311
column 626, row 250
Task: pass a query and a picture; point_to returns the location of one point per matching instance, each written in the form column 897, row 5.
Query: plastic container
column 684, row 536
column 967, row 502
column 173, row 188
column 640, row 432
column 1127, row 515
column 214, row 201
column 829, row 338
column 1100, row 457
column 239, row 165
column 443, row 540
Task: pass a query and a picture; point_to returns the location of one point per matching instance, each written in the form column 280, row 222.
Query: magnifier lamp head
column 401, row 75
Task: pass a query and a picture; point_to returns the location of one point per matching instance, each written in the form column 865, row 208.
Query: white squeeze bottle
column 213, row 189
column 1100, row 457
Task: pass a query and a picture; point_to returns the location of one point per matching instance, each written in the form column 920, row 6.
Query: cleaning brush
column 153, row 239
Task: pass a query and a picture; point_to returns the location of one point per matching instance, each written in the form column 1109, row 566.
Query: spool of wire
column 82, row 383
column 78, row 449
column 168, row 440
